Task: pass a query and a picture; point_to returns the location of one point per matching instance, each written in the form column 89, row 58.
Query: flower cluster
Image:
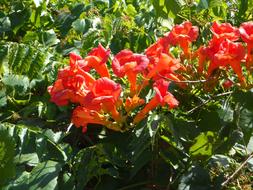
column 224, row 49
column 119, row 106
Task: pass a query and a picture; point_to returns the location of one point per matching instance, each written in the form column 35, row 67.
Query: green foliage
column 7, row 151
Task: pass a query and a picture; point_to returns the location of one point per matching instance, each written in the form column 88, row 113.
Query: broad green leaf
column 19, row 18
column 220, row 160
column 203, row 4
column 79, row 25
column 209, row 121
column 48, row 38
column 5, row 24
column 245, row 124
column 196, row 178
column 250, row 145
column 66, row 181
column 88, row 164
column 174, row 6
column 31, row 159
column 250, row 164
column 7, row 151
column 43, row 176
column 18, row 83
column 203, row 145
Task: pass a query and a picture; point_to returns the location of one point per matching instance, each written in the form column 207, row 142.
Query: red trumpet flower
column 229, row 53
column 97, row 59
column 165, row 63
column 71, row 85
column 132, row 103
column 161, row 98
column 161, row 46
column 107, row 94
column 246, row 31
column 82, row 116
column 183, row 35
column 225, row 31
column 129, row 64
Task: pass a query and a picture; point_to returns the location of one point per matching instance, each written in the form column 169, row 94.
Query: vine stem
column 237, row 170
column 183, row 81
column 205, row 102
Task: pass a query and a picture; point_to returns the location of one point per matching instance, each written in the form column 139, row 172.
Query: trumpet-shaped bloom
column 72, row 85
column 107, row 94
column 77, row 61
column 225, row 31
column 82, row 116
column 229, row 53
column 97, row 59
column 129, row 64
column 132, row 103
column 246, row 31
column 165, row 63
column 183, row 35
column 162, row 97
column 161, row 46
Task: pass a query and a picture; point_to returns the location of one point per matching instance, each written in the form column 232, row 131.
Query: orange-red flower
column 107, row 94
column 130, row 64
column 165, row 63
column 82, row 116
column 246, row 31
column 72, row 85
column 161, row 46
column 132, row 103
column 97, row 59
column 76, row 60
column 161, row 98
column 225, row 31
column 183, row 35
column 229, row 53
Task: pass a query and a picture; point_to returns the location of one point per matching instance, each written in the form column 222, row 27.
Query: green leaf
column 43, row 176
column 88, row 164
column 48, row 38
column 209, row 121
column 250, row 145
column 31, row 159
column 130, row 10
column 7, row 151
column 3, row 98
column 203, row 145
column 5, row 24
column 246, row 124
column 173, row 6
column 66, row 181
column 18, row 83
column 79, row 25
column 196, row 178
column 244, row 98
column 203, row 4
column 19, row 18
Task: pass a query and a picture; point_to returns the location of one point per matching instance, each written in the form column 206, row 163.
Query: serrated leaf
column 18, row 83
